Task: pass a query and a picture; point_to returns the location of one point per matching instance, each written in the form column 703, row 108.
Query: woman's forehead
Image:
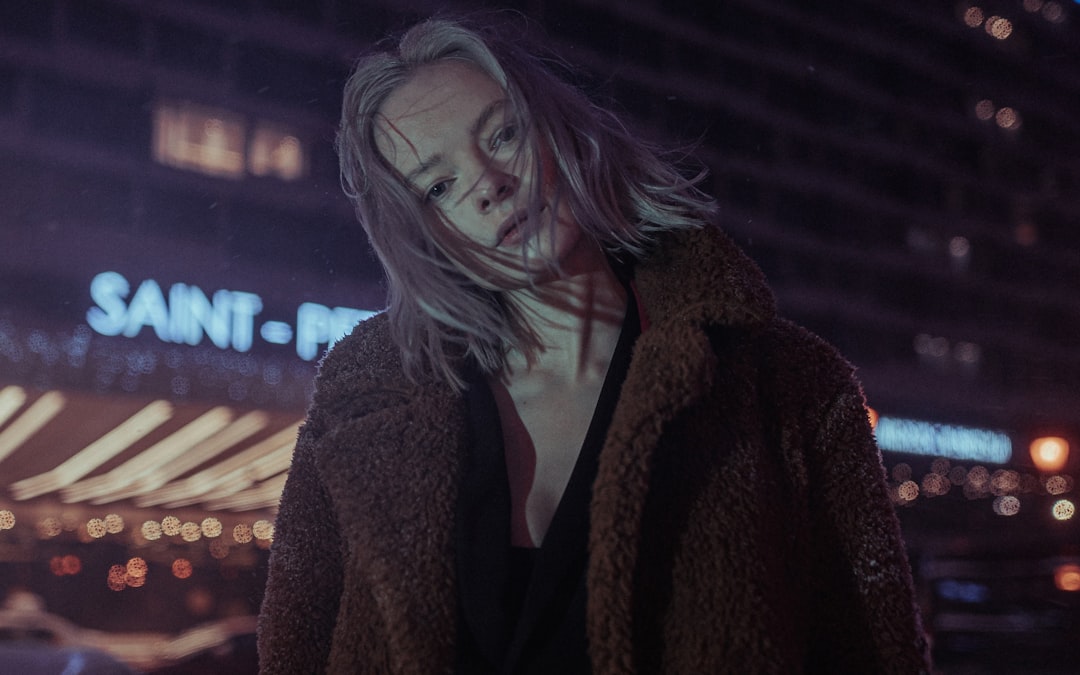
column 439, row 99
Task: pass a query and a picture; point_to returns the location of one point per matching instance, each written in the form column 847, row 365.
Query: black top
column 522, row 610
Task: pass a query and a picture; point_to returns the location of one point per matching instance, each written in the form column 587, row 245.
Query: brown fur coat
column 739, row 520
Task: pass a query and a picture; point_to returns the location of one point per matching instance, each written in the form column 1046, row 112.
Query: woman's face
column 450, row 132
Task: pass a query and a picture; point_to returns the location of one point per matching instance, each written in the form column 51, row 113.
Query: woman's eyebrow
column 485, row 116
column 477, row 126
column 424, row 167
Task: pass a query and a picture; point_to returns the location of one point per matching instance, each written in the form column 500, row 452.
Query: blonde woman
column 579, row 439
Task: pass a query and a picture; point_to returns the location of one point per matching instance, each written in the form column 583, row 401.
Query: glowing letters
column 943, row 440
column 227, row 318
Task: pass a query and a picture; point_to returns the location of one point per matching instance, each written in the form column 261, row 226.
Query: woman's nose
column 494, row 188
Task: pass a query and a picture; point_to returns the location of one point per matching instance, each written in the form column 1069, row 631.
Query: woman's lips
column 511, row 237
column 510, row 232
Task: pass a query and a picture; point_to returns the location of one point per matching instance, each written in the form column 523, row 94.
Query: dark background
column 940, row 251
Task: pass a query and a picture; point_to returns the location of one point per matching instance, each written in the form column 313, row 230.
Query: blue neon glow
column 276, row 332
column 963, row 591
column 943, row 440
column 184, row 314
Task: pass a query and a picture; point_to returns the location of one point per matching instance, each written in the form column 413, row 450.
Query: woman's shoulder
column 801, row 370
column 367, row 351
column 361, row 372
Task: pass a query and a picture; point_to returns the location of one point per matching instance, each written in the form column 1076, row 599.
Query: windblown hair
column 618, row 189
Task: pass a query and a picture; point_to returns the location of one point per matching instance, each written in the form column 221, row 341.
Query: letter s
column 108, row 290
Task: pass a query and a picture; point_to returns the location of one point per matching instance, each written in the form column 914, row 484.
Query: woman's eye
column 436, row 191
column 505, row 135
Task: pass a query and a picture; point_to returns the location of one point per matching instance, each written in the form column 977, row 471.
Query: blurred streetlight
column 1050, row 453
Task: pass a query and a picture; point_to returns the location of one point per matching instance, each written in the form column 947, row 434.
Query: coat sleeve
column 867, row 619
column 304, row 584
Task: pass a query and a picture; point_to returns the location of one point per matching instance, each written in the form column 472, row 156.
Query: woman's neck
column 575, row 319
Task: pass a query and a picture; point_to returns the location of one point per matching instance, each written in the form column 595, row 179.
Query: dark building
column 175, row 254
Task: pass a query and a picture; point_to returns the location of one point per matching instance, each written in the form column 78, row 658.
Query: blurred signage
column 184, row 314
column 943, row 440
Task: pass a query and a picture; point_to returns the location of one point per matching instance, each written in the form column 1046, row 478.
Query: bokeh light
column 1006, row 505
column 263, row 529
column 151, row 530
column 117, row 578
column 181, row 568
column 190, row 531
column 95, row 527
column 170, row 525
column 1050, row 453
column 211, row 527
column 999, row 27
column 1063, row 509
column 908, row 491
column 1057, row 485
column 242, row 533
column 1008, row 118
column 49, row 527
column 219, row 549
column 137, row 567
column 1067, row 577
column 1053, row 12
column 114, row 524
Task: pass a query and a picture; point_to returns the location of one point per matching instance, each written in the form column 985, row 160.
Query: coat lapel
column 698, row 283
column 396, row 505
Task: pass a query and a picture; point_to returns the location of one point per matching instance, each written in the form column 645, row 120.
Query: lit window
column 197, row 138
column 275, row 152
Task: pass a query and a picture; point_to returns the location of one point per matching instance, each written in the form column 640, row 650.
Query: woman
column 579, row 439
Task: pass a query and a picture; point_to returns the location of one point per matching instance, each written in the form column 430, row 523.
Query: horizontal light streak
column 262, row 460
column 33, row 419
column 11, row 399
column 244, row 427
column 265, row 495
column 100, row 488
column 97, row 453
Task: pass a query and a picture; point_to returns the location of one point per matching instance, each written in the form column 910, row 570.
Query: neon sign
column 186, row 315
column 943, row 440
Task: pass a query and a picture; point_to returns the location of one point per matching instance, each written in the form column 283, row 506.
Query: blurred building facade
column 175, row 253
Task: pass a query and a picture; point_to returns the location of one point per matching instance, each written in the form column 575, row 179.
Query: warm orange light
column 1050, row 453
column 1067, row 577
column 872, row 414
column 181, row 568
